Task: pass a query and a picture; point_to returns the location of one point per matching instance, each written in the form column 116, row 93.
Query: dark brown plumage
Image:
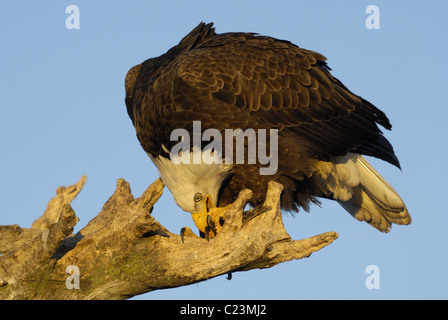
column 243, row 80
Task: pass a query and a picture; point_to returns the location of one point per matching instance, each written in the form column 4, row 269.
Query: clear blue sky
column 63, row 115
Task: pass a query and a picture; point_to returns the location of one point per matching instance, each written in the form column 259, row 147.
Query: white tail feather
column 371, row 199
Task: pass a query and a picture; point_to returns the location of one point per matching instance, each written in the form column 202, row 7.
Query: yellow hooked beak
column 200, row 218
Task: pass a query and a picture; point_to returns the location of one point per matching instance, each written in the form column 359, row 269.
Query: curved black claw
column 185, row 231
column 229, row 276
column 210, row 223
column 252, row 213
column 207, row 232
column 182, row 233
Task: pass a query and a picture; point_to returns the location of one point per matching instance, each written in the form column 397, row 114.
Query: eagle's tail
column 374, row 200
column 363, row 192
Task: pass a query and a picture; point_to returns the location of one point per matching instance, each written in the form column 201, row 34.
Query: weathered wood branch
column 124, row 251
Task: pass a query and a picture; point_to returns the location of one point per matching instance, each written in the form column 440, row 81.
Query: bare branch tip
column 151, row 195
column 123, row 186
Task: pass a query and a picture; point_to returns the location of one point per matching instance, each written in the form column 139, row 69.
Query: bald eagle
column 246, row 81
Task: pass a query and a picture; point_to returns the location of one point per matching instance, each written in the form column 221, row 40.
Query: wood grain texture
column 124, row 251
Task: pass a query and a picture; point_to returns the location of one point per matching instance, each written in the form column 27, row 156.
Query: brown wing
column 285, row 86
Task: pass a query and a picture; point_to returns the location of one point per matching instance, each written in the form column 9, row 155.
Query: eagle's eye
column 198, row 197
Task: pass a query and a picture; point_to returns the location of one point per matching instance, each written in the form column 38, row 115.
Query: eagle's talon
column 252, row 213
column 182, row 233
column 207, row 233
column 185, row 231
column 211, row 224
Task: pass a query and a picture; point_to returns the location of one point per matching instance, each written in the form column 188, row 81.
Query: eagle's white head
column 194, row 187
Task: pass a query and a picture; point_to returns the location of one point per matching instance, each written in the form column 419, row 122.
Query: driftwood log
column 124, row 251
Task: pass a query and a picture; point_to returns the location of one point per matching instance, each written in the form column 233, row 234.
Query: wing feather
column 283, row 86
